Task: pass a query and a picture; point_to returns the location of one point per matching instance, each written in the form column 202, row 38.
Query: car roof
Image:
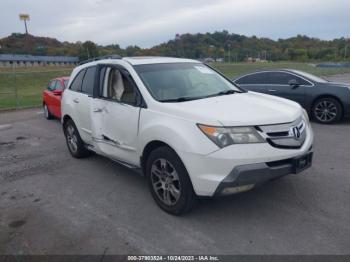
column 61, row 78
column 141, row 60
column 268, row 70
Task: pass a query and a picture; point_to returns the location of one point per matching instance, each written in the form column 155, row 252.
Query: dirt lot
column 51, row 203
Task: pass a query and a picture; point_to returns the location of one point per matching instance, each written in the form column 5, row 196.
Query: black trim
column 259, row 173
column 100, row 58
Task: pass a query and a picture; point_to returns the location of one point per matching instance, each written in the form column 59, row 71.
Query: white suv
column 187, row 127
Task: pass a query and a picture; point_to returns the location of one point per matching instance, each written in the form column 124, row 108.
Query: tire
column 169, row 182
column 74, row 142
column 47, row 113
column 327, row 110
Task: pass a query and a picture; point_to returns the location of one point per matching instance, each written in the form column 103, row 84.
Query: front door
column 115, row 116
column 279, row 85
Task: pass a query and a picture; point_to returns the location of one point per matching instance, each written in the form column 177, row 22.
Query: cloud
column 147, row 23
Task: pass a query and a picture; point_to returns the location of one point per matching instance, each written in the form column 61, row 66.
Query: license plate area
column 302, row 163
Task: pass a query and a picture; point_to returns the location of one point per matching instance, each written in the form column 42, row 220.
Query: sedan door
column 286, row 85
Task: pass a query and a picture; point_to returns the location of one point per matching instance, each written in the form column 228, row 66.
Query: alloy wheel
column 165, row 181
column 72, row 138
column 326, row 111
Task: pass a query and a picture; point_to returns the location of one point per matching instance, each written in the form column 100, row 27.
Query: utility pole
column 25, row 18
column 229, row 53
column 345, row 51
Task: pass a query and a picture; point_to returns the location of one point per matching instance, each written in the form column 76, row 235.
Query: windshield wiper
column 181, row 99
column 226, row 92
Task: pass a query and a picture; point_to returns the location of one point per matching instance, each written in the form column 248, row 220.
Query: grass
column 30, row 82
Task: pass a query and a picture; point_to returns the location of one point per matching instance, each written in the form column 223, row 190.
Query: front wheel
column 169, row 182
column 327, row 110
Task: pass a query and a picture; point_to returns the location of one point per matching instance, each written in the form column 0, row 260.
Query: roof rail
column 100, row 58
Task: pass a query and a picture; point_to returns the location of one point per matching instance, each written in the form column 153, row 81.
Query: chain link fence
column 23, row 87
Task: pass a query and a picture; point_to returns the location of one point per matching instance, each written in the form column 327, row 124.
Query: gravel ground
column 51, row 203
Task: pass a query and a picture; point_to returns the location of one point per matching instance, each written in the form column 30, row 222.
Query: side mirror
column 293, row 83
column 57, row 92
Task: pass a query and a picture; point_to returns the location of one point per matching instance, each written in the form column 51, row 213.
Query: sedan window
column 253, row 79
column 282, row 78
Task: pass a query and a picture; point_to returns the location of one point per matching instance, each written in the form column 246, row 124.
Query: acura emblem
column 296, row 132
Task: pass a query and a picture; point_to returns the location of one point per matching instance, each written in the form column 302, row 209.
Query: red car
column 52, row 97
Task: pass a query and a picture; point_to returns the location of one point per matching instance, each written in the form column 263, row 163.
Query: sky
column 150, row 22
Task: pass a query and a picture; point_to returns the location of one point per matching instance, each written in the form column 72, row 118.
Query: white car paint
column 176, row 125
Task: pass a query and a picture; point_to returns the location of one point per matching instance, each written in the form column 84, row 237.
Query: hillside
column 231, row 47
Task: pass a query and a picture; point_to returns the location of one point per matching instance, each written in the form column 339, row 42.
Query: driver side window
column 116, row 86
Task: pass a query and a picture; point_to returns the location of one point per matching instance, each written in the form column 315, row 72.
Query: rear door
column 115, row 114
column 81, row 98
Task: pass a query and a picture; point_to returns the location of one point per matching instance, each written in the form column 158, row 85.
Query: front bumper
column 208, row 171
column 245, row 177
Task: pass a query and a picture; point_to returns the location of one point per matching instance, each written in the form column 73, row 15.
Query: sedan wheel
column 327, row 110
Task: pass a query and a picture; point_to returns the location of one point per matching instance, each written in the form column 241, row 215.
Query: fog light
column 235, row 190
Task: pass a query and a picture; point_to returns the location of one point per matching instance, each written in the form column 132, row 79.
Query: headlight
column 225, row 136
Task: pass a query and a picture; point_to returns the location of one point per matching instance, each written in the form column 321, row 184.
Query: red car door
column 49, row 96
column 56, row 99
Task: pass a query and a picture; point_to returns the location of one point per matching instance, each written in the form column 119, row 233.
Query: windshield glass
column 65, row 83
column 310, row 76
column 183, row 81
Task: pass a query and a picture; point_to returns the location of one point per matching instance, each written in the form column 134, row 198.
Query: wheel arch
column 64, row 120
column 150, row 146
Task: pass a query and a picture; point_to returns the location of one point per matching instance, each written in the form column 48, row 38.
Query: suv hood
column 241, row 109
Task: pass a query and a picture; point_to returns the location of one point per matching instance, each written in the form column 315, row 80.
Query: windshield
column 177, row 82
column 65, row 83
column 310, row 76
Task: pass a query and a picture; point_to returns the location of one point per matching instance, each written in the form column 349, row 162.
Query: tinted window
column 253, row 79
column 77, row 82
column 89, row 80
column 281, row 78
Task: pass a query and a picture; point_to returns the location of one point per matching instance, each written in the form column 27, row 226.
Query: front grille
column 287, row 136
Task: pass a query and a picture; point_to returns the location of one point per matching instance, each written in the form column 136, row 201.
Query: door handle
column 272, row 90
column 98, row 110
column 76, row 100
